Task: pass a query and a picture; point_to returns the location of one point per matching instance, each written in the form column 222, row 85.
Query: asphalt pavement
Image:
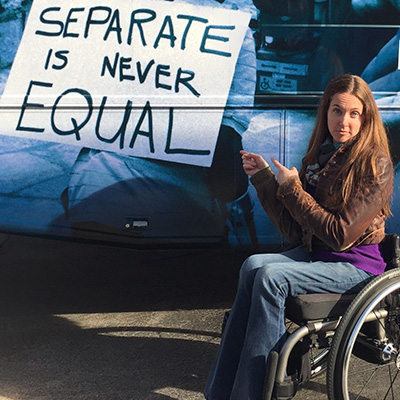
column 84, row 321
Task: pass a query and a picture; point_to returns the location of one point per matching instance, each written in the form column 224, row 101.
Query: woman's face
column 345, row 117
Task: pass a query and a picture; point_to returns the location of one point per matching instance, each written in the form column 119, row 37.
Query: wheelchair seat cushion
column 317, row 306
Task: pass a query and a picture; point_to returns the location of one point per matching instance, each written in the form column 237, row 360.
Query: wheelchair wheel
column 364, row 360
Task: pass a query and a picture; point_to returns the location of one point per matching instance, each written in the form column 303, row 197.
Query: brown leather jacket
column 301, row 217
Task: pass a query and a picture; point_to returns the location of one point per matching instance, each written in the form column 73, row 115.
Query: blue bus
column 122, row 121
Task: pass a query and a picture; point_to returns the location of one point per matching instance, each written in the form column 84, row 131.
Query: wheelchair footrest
column 285, row 390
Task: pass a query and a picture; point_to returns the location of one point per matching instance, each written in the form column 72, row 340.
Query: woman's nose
column 345, row 120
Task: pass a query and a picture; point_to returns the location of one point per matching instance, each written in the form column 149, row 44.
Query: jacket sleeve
column 267, row 186
column 339, row 230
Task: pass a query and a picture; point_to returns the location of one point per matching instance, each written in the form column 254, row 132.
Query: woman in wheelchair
column 332, row 213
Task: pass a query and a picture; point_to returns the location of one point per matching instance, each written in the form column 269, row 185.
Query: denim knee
column 271, row 279
column 249, row 269
column 249, row 264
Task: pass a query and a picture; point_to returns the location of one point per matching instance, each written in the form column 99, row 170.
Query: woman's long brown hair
column 364, row 149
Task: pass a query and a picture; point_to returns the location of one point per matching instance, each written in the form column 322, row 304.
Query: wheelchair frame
column 345, row 327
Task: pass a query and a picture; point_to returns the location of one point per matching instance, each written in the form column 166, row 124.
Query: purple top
column 366, row 257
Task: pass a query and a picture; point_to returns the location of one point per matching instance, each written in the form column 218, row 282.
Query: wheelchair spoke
column 390, row 388
column 366, row 384
column 369, row 380
column 365, row 377
column 366, row 369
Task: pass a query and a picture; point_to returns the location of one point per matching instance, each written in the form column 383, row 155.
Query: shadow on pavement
column 52, row 358
column 83, row 321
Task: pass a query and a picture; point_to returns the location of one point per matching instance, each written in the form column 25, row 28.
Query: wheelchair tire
column 361, row 365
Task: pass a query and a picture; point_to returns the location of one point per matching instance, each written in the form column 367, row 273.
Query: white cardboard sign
column 147, row 78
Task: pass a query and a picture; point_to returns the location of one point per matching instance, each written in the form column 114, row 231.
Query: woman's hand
column 252, row 163
column 283, row 172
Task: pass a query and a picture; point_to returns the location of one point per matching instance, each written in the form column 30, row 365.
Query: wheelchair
column 355, row 339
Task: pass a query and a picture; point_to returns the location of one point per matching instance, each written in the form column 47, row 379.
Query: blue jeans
column 256, row 324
